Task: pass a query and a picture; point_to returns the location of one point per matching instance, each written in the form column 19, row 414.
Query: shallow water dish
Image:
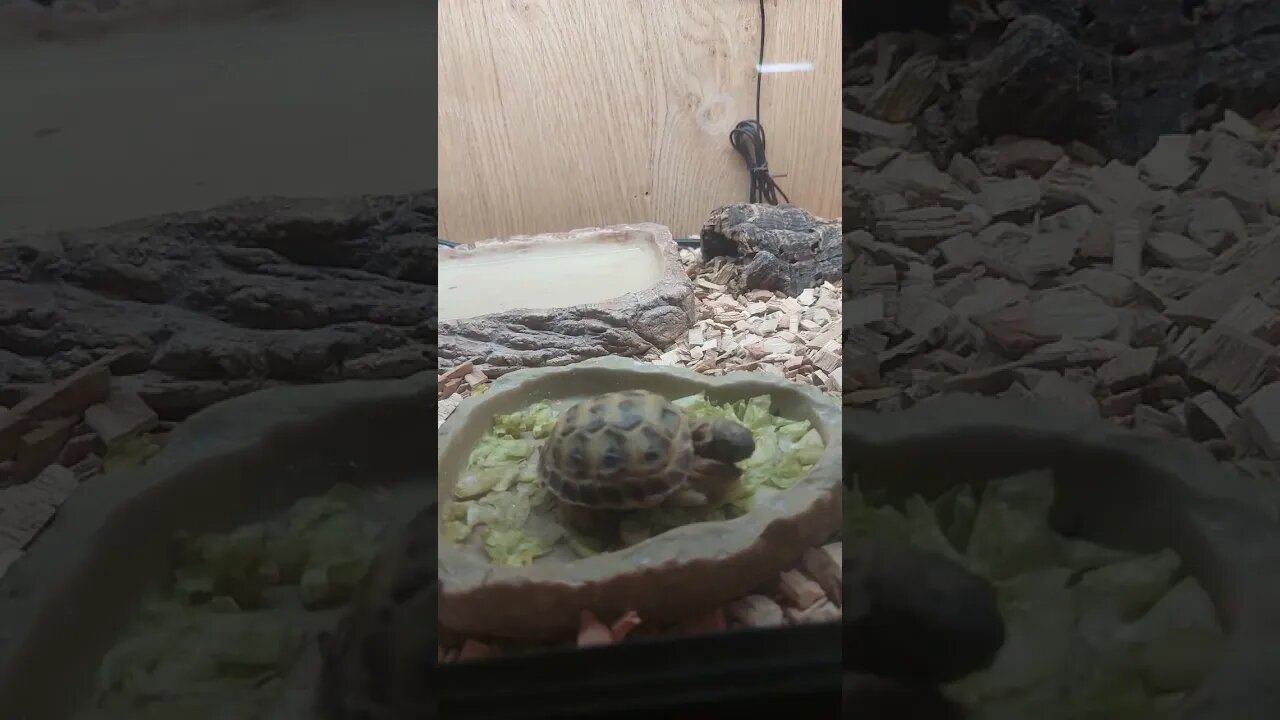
column 1114, row 488
column 557, row 298
column 68, row 599
column 667, row 577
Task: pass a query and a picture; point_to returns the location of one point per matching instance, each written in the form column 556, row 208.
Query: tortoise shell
column 619, row 451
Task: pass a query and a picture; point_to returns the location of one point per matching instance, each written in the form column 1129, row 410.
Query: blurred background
column 117, row 109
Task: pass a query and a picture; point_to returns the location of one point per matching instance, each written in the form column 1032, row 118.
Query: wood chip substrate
column 796, row 338
column 1146, row 293
column 59, row 435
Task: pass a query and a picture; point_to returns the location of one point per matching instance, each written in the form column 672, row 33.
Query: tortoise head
column 723, row 440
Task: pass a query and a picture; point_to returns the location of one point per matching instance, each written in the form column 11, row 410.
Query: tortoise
column 379, row 662
column 632, row 450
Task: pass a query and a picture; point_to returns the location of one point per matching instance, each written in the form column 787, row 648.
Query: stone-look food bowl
column 620, row 318
column 65, row 603
column 667, row 577
column 1114, row 488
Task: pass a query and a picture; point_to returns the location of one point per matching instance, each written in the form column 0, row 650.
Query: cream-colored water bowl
column 555, row 298
column 553, row 271
column 667, row 576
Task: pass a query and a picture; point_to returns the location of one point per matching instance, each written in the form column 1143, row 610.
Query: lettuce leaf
column 1011, row 532
column 1178, row 641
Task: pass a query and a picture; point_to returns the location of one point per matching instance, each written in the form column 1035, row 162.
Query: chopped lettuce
column 513, row 547
column 536, row 420
column 923, row 530
column 1092, row 633
column 322, row 545
column 964, row 511
column 1011, row 532
column 1040, row 616
column 1084, row 555
column 204, row 651
column 496, row 495
column 1178, row 640
column 130, row 454
column 1128, row 588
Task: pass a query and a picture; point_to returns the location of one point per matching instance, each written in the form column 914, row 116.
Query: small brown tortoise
column 379, row 663
column 632, row 450
column 614, row 452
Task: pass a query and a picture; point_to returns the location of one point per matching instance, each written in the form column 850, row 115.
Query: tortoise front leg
column 595, row 524
column 713, row 478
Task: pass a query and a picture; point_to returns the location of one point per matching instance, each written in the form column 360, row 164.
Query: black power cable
column 749, row 140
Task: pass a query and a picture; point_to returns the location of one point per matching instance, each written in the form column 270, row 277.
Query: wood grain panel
column 560, row 114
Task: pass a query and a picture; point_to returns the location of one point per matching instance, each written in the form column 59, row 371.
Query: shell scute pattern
column 620, row 450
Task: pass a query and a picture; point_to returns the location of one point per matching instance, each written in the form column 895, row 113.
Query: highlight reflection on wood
column 561, row 114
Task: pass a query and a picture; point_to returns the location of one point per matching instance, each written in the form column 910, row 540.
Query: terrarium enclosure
column 603, row 239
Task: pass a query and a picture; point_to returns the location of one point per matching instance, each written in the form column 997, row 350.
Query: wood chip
column 120, row 418
column 824, row 566
column 756, row 611
column 801, row 590
column 1261, row 413
column 1128, row 370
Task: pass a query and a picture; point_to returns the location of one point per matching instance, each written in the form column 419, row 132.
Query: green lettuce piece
column 1040, row 618
column 513, row 547
column 480, row 514
column 252, row 649
column 1177, row 642
column 223, row 603
column 767, row 449
column 500, row 452
column 886, row 523
column 480, row 481
column 863, row 520
column 923, row 530
column 536, row 420
column 795, row 431
column 1167, row 703
column 456, row 531
column 230, row 565
column 700, row 406
column 187, row 709
column 288, row 553
column 333, row 580
column 130, row 661
column 692, row 404
column 130, row 454
column 963, row 515
column 308, row 512
column 1084, row 555
column 510, row 509
column 1108, row 693
column 1011, row 532
column 339, row 552
column 756, row 415
column 1128, row 588
column 808, row 448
